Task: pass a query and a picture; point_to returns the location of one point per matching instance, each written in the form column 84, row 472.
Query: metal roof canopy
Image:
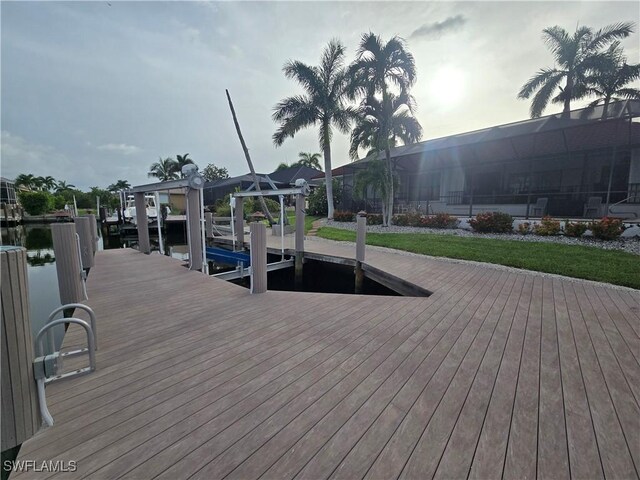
column 270, row 193
column 154, row 187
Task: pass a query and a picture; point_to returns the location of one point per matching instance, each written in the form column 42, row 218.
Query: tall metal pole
column 205, row 264
column 158, row 220
column 281, row 225
column 361, row 237
column 299, row 241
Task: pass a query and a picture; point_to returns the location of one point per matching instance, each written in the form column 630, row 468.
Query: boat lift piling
column 299, row 240
column 361, row 237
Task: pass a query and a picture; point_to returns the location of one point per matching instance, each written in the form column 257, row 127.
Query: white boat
column 150, row 204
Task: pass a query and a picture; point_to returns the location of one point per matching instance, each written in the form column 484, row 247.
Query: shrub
column 340, row 216
column 607, row 228
column 410, row 219
column 374, row 219
column 492, row 222
column 574, row 229
column 439, row 220
column 524, row 228
column 36, row 203
column 223, row 211
column 548, row 226
column 318, row 198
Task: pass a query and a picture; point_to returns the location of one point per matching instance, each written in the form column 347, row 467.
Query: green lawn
column 308, row 221
column 620, row 268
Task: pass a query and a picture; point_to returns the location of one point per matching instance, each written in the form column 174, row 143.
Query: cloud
column 122, row 148
column 433, row 31
column 21, row 156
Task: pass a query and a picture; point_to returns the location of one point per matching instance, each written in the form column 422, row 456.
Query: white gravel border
column 629, row 242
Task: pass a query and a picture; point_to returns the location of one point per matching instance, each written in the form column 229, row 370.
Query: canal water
column 41, row 269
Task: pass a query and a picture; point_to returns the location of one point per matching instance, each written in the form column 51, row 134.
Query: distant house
column 9, row 210
column 7, row 191
column 218, row 189
column 288, row 176
column 579, row 165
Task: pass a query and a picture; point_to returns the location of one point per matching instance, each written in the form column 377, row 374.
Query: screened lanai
column 585, row 164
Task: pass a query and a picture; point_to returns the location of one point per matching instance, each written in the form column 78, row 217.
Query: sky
column 93, row 92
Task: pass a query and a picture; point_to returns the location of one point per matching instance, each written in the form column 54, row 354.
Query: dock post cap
column 362, row 213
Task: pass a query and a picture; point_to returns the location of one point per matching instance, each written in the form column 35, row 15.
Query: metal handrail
column 90, row 341
column 81, row 306
column 609, row 211
column 42, row 379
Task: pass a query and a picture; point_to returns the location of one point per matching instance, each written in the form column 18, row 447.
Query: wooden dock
column 497, row 374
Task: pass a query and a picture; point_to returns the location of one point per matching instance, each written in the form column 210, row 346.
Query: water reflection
column 41, row 271
column 44, row 296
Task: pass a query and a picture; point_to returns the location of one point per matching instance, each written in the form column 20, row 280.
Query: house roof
column 291, row 174
column 547, row 128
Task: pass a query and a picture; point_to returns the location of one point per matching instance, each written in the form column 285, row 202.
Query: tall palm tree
column 324, row 103
column 381, row 124
column 24, row 180
column 63, row 186
column 310, row 160
column 181, row 161
column 380, row 67
column 575, row 56
column 49, row 183
column 119, row 185
column 37, row 183
column 164, row 169
column 610, row 78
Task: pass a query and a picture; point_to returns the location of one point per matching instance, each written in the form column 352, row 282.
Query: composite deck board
column 497, row 373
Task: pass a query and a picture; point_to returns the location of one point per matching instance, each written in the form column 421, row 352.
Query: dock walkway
column 497, row 374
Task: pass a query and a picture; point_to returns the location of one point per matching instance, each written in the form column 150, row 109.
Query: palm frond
column 538, row 80
column 615, row 31
column 541, row 98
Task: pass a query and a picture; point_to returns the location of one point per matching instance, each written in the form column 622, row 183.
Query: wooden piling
column 65, row 248
column 208, row 222
column 258, row 245
column 299, row 241
column 83, row 229
column 94, row 231
column 20, row 408
column 361, row 237
column 239, row 223
column 142, row 223
column 194, row 238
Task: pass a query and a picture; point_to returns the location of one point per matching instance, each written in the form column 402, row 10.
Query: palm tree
column 49, row 183
column 324, row 103
column 380, row 125
column 37, row 183
column 379, row 65
column 610, row 79
column 164, row 169
column 575, row 56
column 181, row 161
column 119, row 185
column 63, row 186
column 310, row 160
column 376, row 179
column 378, row 68
column 24, row 180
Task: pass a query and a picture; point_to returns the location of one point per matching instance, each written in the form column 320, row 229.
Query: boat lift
column 244, row 267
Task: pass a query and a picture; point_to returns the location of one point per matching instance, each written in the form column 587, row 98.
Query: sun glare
column 447, row 85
